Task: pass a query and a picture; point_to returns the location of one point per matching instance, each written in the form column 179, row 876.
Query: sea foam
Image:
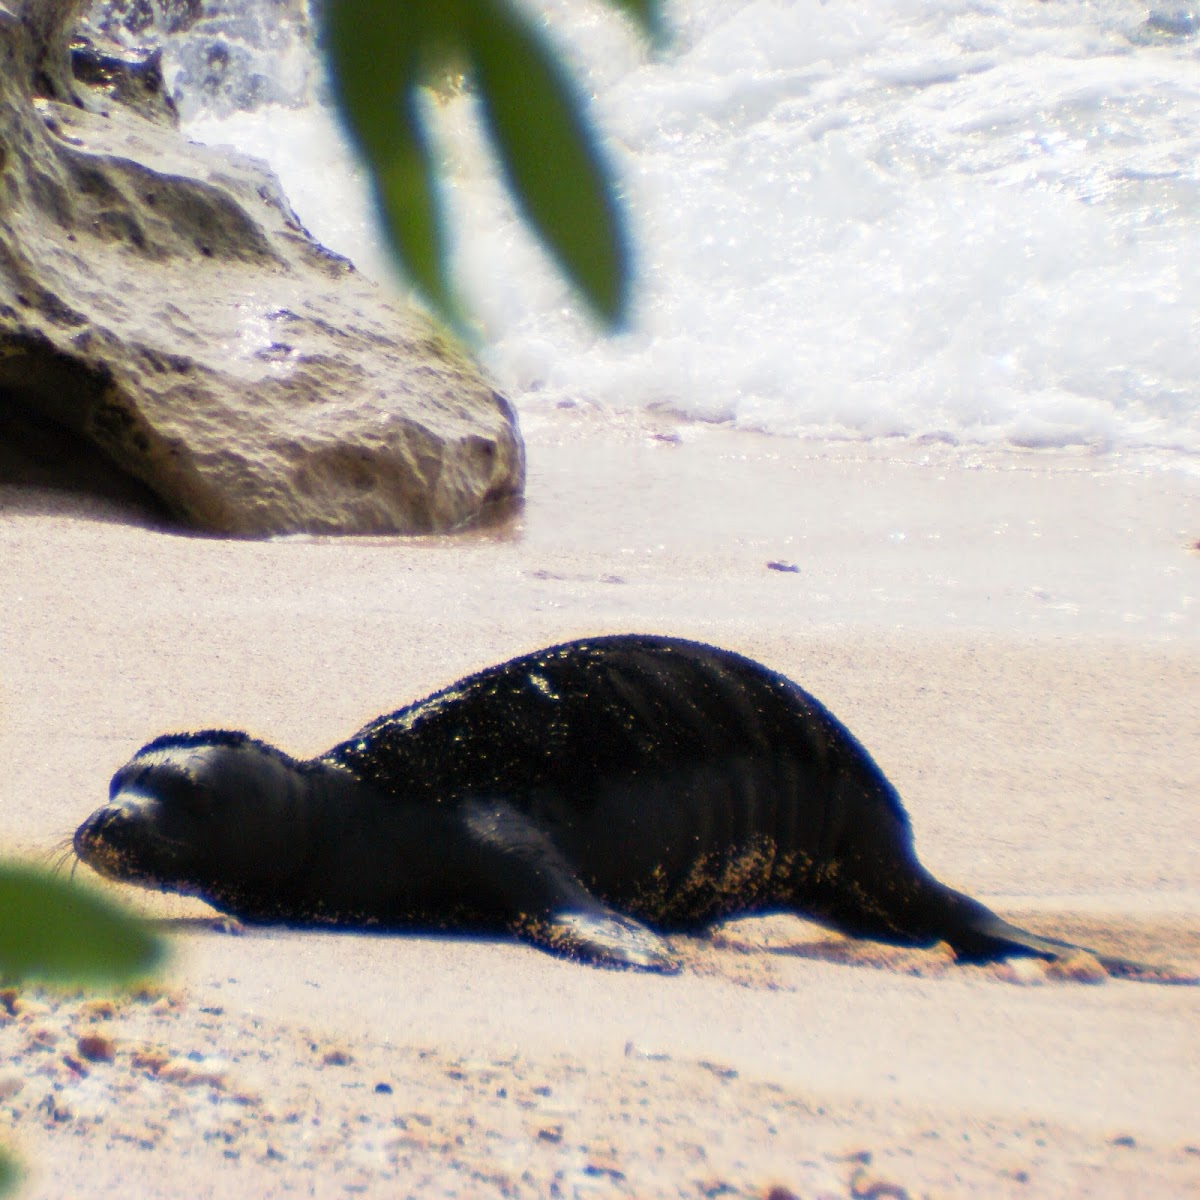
column 950, row 219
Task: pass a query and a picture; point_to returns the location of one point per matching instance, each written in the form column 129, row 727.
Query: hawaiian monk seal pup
column 582, row 796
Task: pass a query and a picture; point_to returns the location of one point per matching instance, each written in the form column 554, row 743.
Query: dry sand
column 1015, row 639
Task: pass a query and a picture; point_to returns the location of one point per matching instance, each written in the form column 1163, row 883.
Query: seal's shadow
column 231, row 927
column 744, row 952
column 1176, row 954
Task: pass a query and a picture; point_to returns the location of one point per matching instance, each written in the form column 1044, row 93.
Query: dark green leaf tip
column 550, row 154
column 648, row 15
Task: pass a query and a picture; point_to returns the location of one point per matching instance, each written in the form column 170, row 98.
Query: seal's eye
column 179, row 791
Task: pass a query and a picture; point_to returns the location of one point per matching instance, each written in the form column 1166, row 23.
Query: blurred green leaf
column 57, row 931
column 9, row 1175
column 647, row 14
column 382, row 53
column 549, row 153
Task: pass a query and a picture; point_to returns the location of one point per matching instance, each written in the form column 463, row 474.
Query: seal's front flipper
column 550, row 906
column 600, row 936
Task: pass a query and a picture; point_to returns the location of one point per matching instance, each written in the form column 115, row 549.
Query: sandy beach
column 1016, row 639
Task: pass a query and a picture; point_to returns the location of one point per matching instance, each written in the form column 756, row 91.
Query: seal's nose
column 102, row 839
column 85, row 835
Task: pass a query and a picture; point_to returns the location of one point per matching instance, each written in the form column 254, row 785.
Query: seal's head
column 198, row 813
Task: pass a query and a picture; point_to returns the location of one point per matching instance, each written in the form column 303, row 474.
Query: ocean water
column 971, row 221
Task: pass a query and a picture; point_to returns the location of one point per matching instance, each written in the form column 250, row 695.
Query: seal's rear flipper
column 550, row 906
column 988, row 937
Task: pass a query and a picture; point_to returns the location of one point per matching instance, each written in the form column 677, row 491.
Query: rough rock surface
column 160, row 301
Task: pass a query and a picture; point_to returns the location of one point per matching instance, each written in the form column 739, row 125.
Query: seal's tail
column 977, row 934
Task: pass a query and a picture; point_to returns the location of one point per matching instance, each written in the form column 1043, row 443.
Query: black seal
column 584, row 796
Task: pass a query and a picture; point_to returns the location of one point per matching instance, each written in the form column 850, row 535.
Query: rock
column 132, row 79
column 96, row 1046
column 38, row 61
column 162, row 307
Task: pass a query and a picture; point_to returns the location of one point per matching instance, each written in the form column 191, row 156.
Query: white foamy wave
column 221, row 57
column 908, row 218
